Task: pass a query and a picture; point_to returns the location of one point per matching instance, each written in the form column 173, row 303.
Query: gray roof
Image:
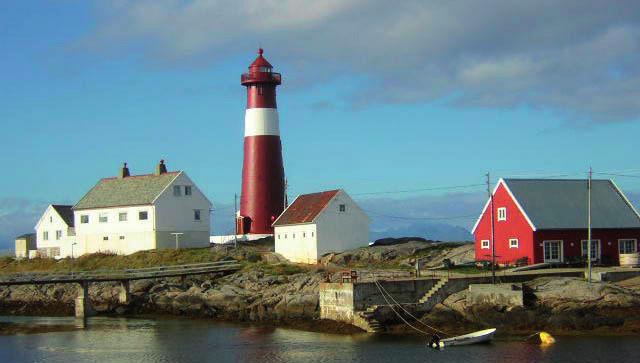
column 132, row 190
column 26, row 235
column 562, row 203
column 65, row 212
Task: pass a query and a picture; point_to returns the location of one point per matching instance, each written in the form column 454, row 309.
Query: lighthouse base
column 240, row 238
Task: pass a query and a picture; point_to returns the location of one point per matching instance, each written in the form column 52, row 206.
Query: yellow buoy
column 546, row 338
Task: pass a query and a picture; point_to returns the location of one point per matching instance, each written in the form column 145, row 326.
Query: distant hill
column 431, row 231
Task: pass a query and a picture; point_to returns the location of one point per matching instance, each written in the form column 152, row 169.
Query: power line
column 423, row 218
column 421, row 190
column 614, row 174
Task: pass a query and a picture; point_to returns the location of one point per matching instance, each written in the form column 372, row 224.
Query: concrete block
column 510, row 295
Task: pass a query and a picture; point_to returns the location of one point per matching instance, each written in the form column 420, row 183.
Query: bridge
column 84, row 278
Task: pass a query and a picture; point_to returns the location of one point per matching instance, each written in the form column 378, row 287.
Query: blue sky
column 407, row 104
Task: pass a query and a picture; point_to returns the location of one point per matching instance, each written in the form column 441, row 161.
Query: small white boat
column 471, row 338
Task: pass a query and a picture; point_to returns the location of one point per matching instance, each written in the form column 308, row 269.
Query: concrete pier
column 83, row 304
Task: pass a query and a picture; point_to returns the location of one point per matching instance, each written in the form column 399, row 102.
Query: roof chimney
column 124, row 171
column 161, row 168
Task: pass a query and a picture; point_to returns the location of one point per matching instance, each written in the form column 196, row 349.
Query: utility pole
column 493, row 245
column 589, row 225
column 235, row 221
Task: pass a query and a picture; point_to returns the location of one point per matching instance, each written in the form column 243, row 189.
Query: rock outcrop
column 246, row 296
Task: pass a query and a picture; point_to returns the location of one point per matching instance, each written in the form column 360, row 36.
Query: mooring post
column 124, row 296
column 83, row 304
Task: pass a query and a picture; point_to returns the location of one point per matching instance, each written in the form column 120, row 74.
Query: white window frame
column 45, row 235
column 121, row 237
column 177, row 191
column 560, row 251
column 188, row 190
column 502, row 214
column 342, row 208
column 485, row 246
column 120, row 216
column 633, row 240
column 514, row 245
column 84, row 219
column 105, row 238
column 146, row 215
column 197, row 215
column 58, row 235
column 583, row 247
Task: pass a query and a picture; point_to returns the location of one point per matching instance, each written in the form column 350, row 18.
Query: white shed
column 319, row 223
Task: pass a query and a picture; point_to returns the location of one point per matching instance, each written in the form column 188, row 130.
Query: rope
column 400, row 316
column 380, row 287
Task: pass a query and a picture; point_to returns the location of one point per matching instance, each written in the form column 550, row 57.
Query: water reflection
column 176, row 340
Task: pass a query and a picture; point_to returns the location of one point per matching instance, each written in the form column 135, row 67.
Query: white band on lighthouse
column 261, row 121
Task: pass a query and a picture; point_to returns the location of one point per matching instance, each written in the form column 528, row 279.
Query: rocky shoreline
column 558, row 305
column 272, row 292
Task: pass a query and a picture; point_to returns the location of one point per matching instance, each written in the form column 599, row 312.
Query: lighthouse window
column 259, row 90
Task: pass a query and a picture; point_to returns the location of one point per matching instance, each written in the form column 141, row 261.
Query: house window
column 121, row 237
column 484, row 244
column 278, row 236
column 627, row 245
column 285, row 236
column 595, row 249
column 311, row 234
column 187, row 190
column 58, row 235
column 122, row 217
column 196, row 214
column 84, row 218
column 105, row 238
column 45, row 235
column 293, row 236
column 143, row 215
column 513, row 243
column 552, row 251
column 176, row 190
column 342, row 208
column 102, row 218
column 502, row 214
column 304, row 235
column 50, row 219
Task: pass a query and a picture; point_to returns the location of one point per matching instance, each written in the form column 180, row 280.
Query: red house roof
column 305, row 208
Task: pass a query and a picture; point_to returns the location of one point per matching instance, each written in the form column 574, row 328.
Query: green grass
column 110, row 261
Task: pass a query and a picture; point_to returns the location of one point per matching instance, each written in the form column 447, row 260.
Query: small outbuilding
column 24, row 244
column 546, row 220
column 319, row 223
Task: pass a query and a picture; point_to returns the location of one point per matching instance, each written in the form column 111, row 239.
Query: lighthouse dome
column 260, row 62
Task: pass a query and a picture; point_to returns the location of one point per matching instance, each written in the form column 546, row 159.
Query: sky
column 376, row 97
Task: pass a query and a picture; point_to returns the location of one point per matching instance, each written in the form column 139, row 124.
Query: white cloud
column 579, row 58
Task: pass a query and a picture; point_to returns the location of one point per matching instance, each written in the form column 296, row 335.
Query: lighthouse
column 263, row 184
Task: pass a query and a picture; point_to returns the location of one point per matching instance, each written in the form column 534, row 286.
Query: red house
column 545, row 220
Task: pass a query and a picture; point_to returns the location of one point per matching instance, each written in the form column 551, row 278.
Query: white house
column 126, row 214
column 319, row 223
column 55, row 231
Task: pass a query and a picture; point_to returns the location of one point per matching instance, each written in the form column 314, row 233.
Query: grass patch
column 108, row 261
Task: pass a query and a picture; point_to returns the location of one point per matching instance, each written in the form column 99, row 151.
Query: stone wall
column 497, row 295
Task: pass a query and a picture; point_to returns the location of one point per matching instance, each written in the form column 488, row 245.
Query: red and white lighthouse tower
column 263, row 185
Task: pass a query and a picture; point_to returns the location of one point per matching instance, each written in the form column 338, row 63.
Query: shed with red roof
column 319, row 223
